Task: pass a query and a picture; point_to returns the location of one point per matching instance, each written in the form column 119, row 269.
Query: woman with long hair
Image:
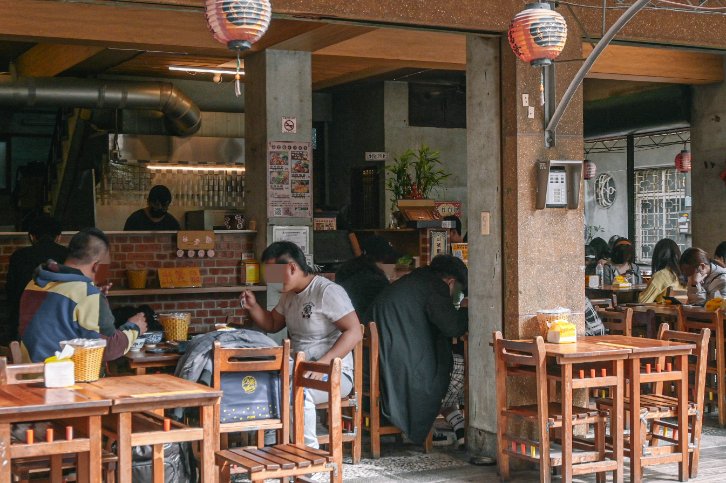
column 666, row 272
column 720, row 254
column 622, row 263
column 706, row 277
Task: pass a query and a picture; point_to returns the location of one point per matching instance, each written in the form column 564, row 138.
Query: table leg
column 5, row 473
column 683, row 417
column 210, row 444
column 124, row 448
column 157, row 463
column 636, row 447
column 566, row 422
column 616, row 421
column 89, row 463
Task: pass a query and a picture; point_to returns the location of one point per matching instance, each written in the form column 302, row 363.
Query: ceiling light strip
column 209, row 167
column 203, row 70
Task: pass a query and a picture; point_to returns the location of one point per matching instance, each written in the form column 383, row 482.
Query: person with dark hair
column 602, row 250
column 666, row 272
column 455, row 234
column 706, row 278
column 155, row 216
column 421, row 377
column 720, row 254
column 362, row 277
column 622, row 263
column 62, row 303
column 320, row 319
column 43, row 233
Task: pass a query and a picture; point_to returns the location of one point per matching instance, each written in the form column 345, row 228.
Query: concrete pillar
column 708, row 146
column 277, row 84
column 485, row 251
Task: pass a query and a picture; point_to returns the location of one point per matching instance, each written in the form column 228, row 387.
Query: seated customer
column 154, row 217
column 362, row 277
column 62, row 303
column 602, row 250
column 421, row 377
column 593, row 322
column 720, row 254
column 622, row 263
column 43, row 233
column 666, row 272
column 319, row 317
column 706, row 278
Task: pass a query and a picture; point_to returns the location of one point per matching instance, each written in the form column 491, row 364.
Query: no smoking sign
column 289, row 125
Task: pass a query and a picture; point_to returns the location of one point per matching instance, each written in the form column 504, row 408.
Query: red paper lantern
column 589, row 169
column 683, row 161
column 537, row 34
column 238, row 23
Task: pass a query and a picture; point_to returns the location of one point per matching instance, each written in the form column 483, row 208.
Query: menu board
column 289, row 179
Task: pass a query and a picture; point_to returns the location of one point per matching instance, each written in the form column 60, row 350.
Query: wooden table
column 33, row 402
column 142, row 399
column 585, row 351
column 641, row 348
column 142, row 360
column 613, row 291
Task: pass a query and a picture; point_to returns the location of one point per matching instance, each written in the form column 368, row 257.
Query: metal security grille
column 660, row 198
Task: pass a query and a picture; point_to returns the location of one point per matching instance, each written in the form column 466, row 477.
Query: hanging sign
column 289, row 179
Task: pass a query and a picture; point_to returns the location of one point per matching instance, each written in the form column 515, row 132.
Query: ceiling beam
column 322, row 37
column 49, row 60
column 648, row 64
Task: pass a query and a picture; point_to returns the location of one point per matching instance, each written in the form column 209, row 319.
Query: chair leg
column 600, row 448
column 224, row 472
column 429, row 443
column 260, row 438
column 721, row 372
column 502, row 457
column 697, row 426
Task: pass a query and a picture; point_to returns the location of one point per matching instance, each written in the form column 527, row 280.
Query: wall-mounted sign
column 373, row 156
column 289, row 179
column 289, row 125
column 448, row 208
column 605, row 190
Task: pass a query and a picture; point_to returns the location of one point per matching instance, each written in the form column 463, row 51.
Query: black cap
column 379, row 249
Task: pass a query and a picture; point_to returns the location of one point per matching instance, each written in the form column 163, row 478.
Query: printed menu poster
column 289, row 179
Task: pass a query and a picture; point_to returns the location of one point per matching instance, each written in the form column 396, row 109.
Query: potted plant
column 414, row 175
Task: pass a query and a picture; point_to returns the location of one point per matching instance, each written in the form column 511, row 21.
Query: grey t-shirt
column 310, row 317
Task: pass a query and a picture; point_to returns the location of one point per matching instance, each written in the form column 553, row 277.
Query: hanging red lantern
column 683, row 161
column 537, row 34
column 238, row 24
column 589, row 169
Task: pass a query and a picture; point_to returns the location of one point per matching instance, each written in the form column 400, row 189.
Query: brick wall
column 158, row 250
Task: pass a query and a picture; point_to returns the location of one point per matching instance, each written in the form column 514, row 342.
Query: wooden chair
column 26, row 468
column 617, row 320
column 258, row 359
column 352, row 402
column 372, row 391
column 12, row 352
column 693, row 320
column 292, row 460
column 527, row 359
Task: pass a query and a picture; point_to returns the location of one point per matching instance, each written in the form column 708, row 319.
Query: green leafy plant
column 591, row 231
column 415, row 174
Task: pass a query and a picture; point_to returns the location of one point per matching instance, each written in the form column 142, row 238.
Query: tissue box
column 59, row 374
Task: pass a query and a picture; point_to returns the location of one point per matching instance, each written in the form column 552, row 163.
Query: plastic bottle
column 599, row 271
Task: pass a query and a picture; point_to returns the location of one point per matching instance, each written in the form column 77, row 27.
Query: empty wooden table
column 142, row 360
column 145, row 395
column 33, row 402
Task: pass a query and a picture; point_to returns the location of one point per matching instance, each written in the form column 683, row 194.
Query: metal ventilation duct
column 182, row 115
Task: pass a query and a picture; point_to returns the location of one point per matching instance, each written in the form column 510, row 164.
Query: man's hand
column 105, row 288
column 247, row 300
column 140, row 321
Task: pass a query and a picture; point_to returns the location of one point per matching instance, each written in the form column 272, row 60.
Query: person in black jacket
column 420, row 375
column 43, row 232
column 155, row 216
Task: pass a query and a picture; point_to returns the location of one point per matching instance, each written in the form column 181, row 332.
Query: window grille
column 660, row 198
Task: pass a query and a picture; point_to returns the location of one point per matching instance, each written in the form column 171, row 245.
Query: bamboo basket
column 545, row 318
column 176, row 325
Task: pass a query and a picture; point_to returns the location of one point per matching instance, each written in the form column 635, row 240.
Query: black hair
column 456, row 220
column 721, row 251
column 623, row 252
column 693, row 257
column 88, row 245
column 613, row 240
column 44, row 226
column 667, row 254
column 450, row 266
column 159, row 193
column 602, row 249
column 285, row 252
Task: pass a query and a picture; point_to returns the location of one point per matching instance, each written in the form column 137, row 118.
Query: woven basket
column 176, row 325
column 546, row 317
column 87, row 362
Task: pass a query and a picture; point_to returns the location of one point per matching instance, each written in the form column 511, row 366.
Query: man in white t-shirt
column 320, row 321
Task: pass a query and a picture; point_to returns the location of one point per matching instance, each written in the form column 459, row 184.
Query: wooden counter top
column 182, row 291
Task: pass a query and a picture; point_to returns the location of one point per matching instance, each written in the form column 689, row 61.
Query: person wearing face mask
column 155, row 216
column 63, row 303
column 706, row 278
column 421, row 376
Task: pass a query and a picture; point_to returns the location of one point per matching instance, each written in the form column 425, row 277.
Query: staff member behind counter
column 154, row 217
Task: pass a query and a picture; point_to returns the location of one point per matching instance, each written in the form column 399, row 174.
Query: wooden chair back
column 21, row 373
column 700, row 358
column 307, row 375
column 12, row 352
column 257, row 359
column 620, row 320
